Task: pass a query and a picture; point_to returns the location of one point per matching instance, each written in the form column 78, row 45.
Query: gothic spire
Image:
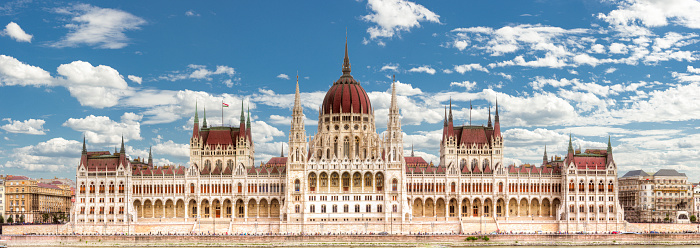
column 84, row 148
column 282, row 151
column 449, row 120
column 571, row 146
column 242, row 113
column 609, row 146
column 544, row 158
column 412, row 150
column 150, row 156
column 489, row 123
column 497, row 110
column 204, row 123
column 247, row 124
column 122, row 151
column 394, row 105
column 196, row 115
column 444, row 122
column 346, row 60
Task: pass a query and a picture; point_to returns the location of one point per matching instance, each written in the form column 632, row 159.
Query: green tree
column 45, row 217
column 9, row 219
column 21, row 219
column 2, row 219
column 693, row 218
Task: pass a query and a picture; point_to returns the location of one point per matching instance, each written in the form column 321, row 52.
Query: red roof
column 44, row 185
column 589, row 162
column 219, row 137
column 277, row 161
column 415, row 162
column 17, row 178
column 468, row 135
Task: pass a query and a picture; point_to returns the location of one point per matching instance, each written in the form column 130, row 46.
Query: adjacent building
column 664, row 196
column 29, row 200
column 351, row 177
column 2, row 200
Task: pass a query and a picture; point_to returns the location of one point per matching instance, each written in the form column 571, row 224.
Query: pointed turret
column 544, row 158
column 150, row 156
column 449, row 120
column 204, row 122
column 444, row 119
column 282, row 151
column 489, row 122
column 497, row 124
column 122, row 151
column 297, row 132
column 241, row 124
column 195, row 128
column 571, row 146
column 570, row 153
column 610, row 153
column 412, row 150
column 84, row 147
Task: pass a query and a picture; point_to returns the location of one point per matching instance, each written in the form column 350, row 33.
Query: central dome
column 346, row 95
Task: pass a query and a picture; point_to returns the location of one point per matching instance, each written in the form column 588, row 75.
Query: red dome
column 346, row 98
column 346, row 95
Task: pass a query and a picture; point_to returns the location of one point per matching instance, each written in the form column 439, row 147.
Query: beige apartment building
column 27, row 200
column 664, row 196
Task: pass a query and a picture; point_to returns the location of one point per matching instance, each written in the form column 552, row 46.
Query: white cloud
column 283, row 76
column 15, row 31
column 506, row 76
column 540, row 82
column 585, row 59
column 691, row 69
column 632, row 13
column 31, row 126
column 191, row 13
column 509, row 39
column 135, row 79
column 466, row 84
column 263, row 132
column 54, row 155
column 390, row 67
column 610, row 70
column 14, row 72
column 199, row 72
column 102, row 130
column 618, row 48
column 394, row 16
column 98, row 27
column 469, row 67
column 170, row 148
column 598, row 48
column 95, row 86
column 423, row 69
column 447, row 71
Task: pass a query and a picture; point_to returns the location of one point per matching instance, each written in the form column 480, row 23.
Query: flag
column 224, row 105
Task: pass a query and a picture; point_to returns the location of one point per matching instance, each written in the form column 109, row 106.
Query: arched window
column 297, row 185
column 328, row 153
column 324, row 180
column 368, row 180
column 500, row 187
column 346, row 147
column 379, row 181
column 334, row 180
column 475, row 163
column 111, row 187
column 581, row 188
column 191, row 188
column 296, row 209
column 346, row 181
column 312, row 182
column 610, row 187
column 601, row 186
column 335, row 147
column 229, row 164
column 485, row 165
column 219, row 163
column 356, row 180
column 240, row 187
column 357, row 146
column 462, row 163
column 591, row 186
column 121, row 187
column 394, row 184
column 207, row 163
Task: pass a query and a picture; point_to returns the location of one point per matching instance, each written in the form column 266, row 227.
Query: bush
column 471, row 238
column 693, row 218
column 486, row 238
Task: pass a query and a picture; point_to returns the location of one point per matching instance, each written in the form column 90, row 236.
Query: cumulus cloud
column 390, row 67
column 283, row 76
column 191, row 13
column 15, row 32
column 135, row 79
column 469, row 67
column 15, row 72
column 423, row 69
column 170, row 148
column 395, row 16
column 103, row 130
column 54, row 155
column 633, row 16
column 466, row 84
column 97, row 27
column 95, row 86
column 31, row 126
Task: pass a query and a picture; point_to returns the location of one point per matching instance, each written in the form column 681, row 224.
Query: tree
column 45, row 217
column 2, row 219
column 9, row 219
column 21, row 219
column 693, row 218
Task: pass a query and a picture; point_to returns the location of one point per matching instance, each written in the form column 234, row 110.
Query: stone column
column 245, row 211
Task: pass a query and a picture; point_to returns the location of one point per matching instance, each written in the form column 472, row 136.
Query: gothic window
column 393, row 154
column 334, row 179
column 368, row 180
column 356, row 180
column 379, row 181
column 219, row 163
column 357, row 146
column 207, row 163
column 475, row 163
column 346, row 147
column 394, row 184
column 312, row 182
column 297, row 185
column 346, row 181
column 328, row 153
column 229, row 164
column 324, row 180
column 335, row 147
column 485, row 164
column 462, row 163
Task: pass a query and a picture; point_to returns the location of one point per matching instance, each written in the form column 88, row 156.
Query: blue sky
column 103, row 69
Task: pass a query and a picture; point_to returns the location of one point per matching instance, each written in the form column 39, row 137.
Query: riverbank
column 347, row 240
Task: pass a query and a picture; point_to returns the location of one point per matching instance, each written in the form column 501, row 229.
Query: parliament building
column 348, row 178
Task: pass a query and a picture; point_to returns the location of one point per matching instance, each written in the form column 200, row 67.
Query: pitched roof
column 415, row 161
column 277, row 161
column 636, row 173
column 669, row 173
column 17, row 178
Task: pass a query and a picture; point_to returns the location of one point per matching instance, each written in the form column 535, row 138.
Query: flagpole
column 470, row 112
column 222, row 112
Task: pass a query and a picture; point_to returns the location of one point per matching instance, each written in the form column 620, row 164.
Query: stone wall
column 350, row 227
